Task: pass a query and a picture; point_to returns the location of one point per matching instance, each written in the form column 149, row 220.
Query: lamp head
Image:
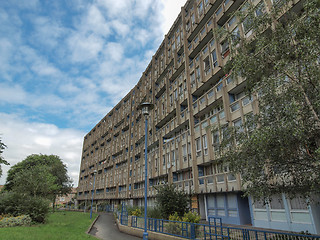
column 145, row 107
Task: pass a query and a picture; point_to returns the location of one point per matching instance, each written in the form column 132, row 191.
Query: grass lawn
column 60, row 226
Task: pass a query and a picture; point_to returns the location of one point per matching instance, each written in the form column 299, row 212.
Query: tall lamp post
column 145, row 108
column 94, row 181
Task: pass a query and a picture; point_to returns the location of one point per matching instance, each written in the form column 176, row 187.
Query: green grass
column 60, row 226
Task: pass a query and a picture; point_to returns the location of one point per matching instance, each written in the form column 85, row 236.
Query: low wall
column 139, row 232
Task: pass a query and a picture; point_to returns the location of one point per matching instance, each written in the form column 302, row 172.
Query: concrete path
column 106, row 228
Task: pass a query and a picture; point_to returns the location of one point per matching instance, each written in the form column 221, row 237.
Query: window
column 235, row 35
column 247, row 24
column 198, row 146
column 225, row 48
column 184, row 152
column 212, row 42
column 192, row 19
column 298, row 204
column 260, row 9
column 216, row 140
column 206, row 63
column 238, row 124
column 234, row 107
column 214, row 58
column 173, row 158
column 246, row 100
column 232, row 21
column 219, row 11
column 200, row 9
column 210, row 93
column 276, row 202
column 198, row 74
column 205, row 144
column 205, row 50
column 192, row 78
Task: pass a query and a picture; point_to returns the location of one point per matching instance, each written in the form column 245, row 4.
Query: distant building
column 69, row 198
column 190, row 92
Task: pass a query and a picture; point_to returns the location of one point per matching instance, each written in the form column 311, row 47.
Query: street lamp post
column 94, row 181
column 145, row 107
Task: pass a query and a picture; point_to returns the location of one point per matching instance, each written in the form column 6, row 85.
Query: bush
column 23, row 220
column 19, row 204
column 137, row 212
column 171, row 200
column 191, row 217
column 154, row 213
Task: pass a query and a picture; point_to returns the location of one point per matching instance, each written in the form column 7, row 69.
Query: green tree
column 2, row 161
column 277, row 149
column 36, row 181
column 171, row 200
column 52, row 165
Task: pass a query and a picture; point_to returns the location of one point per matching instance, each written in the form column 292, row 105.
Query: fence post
column 193, row 231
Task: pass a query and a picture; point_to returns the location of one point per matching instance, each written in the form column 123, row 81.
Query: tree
column 54, row 172
column 278, row 149
column 36, row 181
column 2, row 161
column 170, row 200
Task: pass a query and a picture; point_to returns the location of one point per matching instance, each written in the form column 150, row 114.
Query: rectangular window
column 198, row 76
column 214, row 58
column 232, row 21
column 173, row 158
column 225, row 48
column 200, row 9
column 206, row 64
column 219, row 11
column 210, row 93
column 192, row 78
column 298, row 204
column 215, row 137
column 276, row 202
column 205, row 144
column 198, row 146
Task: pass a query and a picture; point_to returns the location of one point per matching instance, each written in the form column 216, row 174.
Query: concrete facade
column 190, row 92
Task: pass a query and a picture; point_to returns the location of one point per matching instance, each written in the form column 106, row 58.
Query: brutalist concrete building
column 190, row 92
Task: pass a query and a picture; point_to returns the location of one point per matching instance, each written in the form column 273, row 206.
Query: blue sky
column 64, row 64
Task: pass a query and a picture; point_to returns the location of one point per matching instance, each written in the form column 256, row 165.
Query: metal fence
column 213, row 232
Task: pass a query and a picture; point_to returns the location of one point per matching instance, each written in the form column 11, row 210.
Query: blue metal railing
column 213, row 232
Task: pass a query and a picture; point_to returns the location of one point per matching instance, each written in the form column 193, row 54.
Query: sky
column 65, row 64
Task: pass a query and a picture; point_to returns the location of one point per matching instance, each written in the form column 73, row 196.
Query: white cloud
column 95, row 22
column 114, row 51
column 84, row 48
column 47, row 31
column 169, row 12
column 118, row 9
column 25, row 138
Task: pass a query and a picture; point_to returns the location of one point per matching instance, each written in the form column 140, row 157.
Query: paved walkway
column 106, row 228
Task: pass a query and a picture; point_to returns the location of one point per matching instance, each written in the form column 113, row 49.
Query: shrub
column 137, row 212
column 154, row 213
column 174, row 227
column 171, row 200
column 19, row 204
column 23, row 220
column 175, row 217
column 191, row 217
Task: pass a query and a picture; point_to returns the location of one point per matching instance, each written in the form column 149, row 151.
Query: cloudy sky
column 64, row 64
